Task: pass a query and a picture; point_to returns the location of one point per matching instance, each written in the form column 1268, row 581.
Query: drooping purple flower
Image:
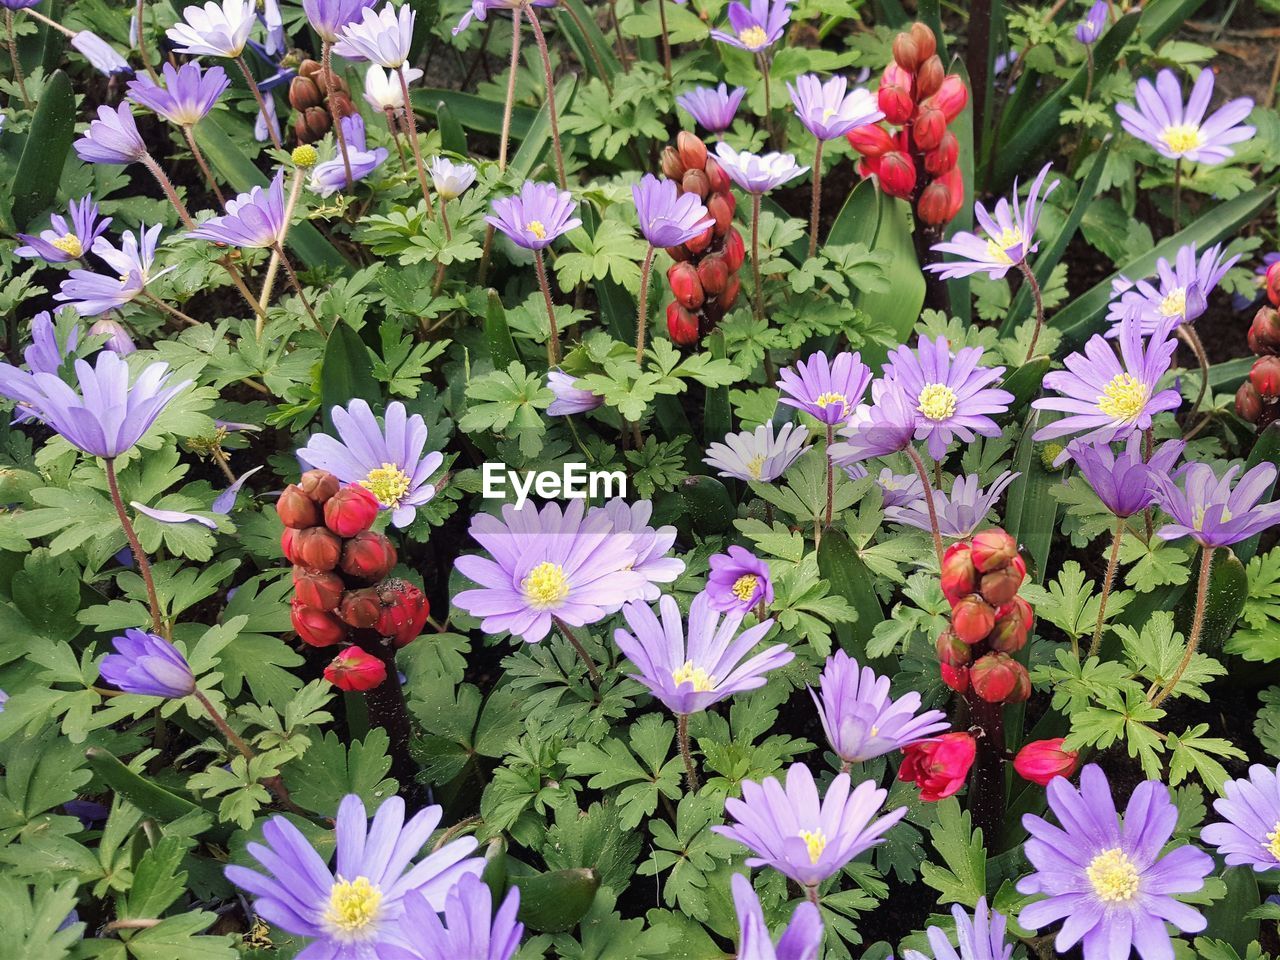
column 253, row 220
column 1090, row 28
column 757, row 173
column 214, row 30
column 859, row 717
column 951, row 394
column 480, row 9
column 112, row 138
column 800, row 941
column 899, row 489
column 739, row 581
column 1123, row 481
column 94, row 293
column 1010, row 236
column 267, row 121
column 801, row 835
column 959, row 514
column 356, row 910
column 1177, row 132
column 1250, row 835
column 1205, row 508
column 650, row 545
column 45, row 354
column 4, row 699
column 188, row 93
column 148, row 665
column 690, row 671
column 381, row 37
column 470, row 931
column 536, row 216
column 117, row 334
column 828, row 390
column 568, row 398
column 1107, row 397
column 828, row 110
column 758, row 454
column 667, row 217
column 1107, row 881
column 980, row 937
column 713, row 107
column 273, row 22
column 755, row 28
column 63, row 241
column 328, row 17
column 330, row 176
column 884, row 426
column 1182, row 295
column 101, row 55
column 547, row 563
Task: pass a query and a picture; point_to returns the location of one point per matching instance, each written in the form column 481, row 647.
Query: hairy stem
column 511, row 88
column 831, row 472
column 1197, row 626
column 690, row 769
column 815, row 201
column 411, row 129
column 203, row 164
column 1107, row 581
column 642, row 317
column 666, row 41
column 590, row 664
column 551, row 96
column 553, row 341
column 326, row 71
column 262, row 103
column 139, row 555
column 273, row 783
column 757, row 293
column 297, row 287
column 923, row 474
column 1030, row 277
column 14, row 58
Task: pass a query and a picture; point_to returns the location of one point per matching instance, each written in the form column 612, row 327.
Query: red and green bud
column 1272, row 282
column 953, row 651
column 954, row 182
column 685, row 285
column 926, row 43
column 939, row 765
column 720, row 207
column 1264, row 332
column 287, row 537
column 353, row 669
column 351, row 510
column 361, row 608
column 905, row 52
column 696, row 182
column 897, row 174
column 1001, row 586
column 992, row 548
column 998, row 678
column 713, row 274
column 929, row 76
column 715, row 173
column 319, row 485
column 894, row 96
column 870, row 140
column 957, row 678
column 934, row 205
column 682, row 326
column 1265, row 377
column 317, row 588
column 315, row 627
column 929, row 128
column 701, row 242
column 1249, row 403
column 972, row 619
column 730, row 295
column 944, row 156
column 692, row 151
column 669, row 162
column 404, row 611
column 368, row 556
column 1009, row 634
column 959, row 575
column 735, row 251
column 296, row 509
column 317, row 548
column 951, row 97
column 1042, row 760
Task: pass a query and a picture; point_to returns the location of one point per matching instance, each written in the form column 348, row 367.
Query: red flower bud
column 926, row 43
column 952, row 651
column 682, row 326
column 315, row 627
column 1265, row 377
column 678, row 254
column 1018, row 607
column 929, row 127
column 944, row 156
column 669, row 162
column 304, row 93
column 870, row 140
column 685, row 285
column 1248, row 403
column 287, row 537
column 939, row 765
column 713, row 274
column 894, row 95
column 316, row 588
column 998, row 678
column 730, row 295
column 897, row 174
column 350, row 511
column 317, row 548
column 715, row 173
column 296, row 509
column 319, row 485
column 1264, row 332
column 905, row 52
column 957, row 678
column 959, row 575
column 992, row 549
column 353, row 669
column 951, row 97
column 954, row 183
column 735, row 251
column 929, row 76
column 1009, row 634
column 404, row 611
column 720, row 207
column 972, row 619
column 1042, row 760
column 693, row 152
column 1000, row 586
column 361, row 608
column 701, row 241
column 696, row 182
column 1272, row 278
column 368, row 556
column 934, row 204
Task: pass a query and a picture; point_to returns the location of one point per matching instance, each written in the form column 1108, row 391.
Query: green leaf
column 473, row 112
column 346, row 373
column 537, row 139
column 329, row 770
column 556, row 900
column 642, row 776
column 963, row 879
column 502, row 349
column 44, row 152
column 31, row 918
column 1193, row 752
column 145, row 794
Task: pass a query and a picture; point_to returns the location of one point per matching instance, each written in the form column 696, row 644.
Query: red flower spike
column 951, row 97
column 1248, row 403
column 959, row 575
column 897, row 174
column 944, row 156
column 998, row 678
column 682, row 326
column 952, row 651
column 870, row 140
column 696, row 182
column 929, row 128
column 939, row 766
column 361, row 608
column 905, row 52
column 926, row 43
column 1042, row 760
column 992, row 549
column 319, row 485
column 1264, row 332
column 957, row 678
column 692, row 151
column 353, row 669
column 404, row 611
column 287, row 537
column 1272, row 279
column 1265, row 377
column 713, row 275
column 730, row 295
column 685, row 285
column 929, row 77
column 894, row 96
column 735, row 251
column 669, row 163
column 350, row 511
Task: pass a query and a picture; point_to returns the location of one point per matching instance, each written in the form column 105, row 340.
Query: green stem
column 642, row 318
column 690, row 770
column 1197, row 626
column 158, row 625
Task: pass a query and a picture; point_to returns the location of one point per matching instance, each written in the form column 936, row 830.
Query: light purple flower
column 755, row 28
column 94, row 293
column 689, row 672
column 884, row 426
column 63, row 241
column 547, row 563
column 253, row 220
column 451, row 179
column 223, row 504
column 387, row 460
column 1182, row 295
column 568, row 398
column 101, row 55
column 18, row 4
column 381, row 37
column 859, row 717
column 480, row 9
column 1250, row 836
column 757, row 173
column 713, row 107
column 382, row 87
column 951, row 394
column 117, row 334
column 899, row 489
column 1205, row 508
column 4, row 699
column 739, row 581
column 261, row 133
column 273, row 22
column 1090, row 28
column 214, row 30
column 536, row 216
column 1159, row 119
column 1108, row 882
column 1122, row 481
column 112, row 138
column 187, row 96
column 471, row 930
column 829, row 390
column 45, row 354
column 960, row 514
column 330, row 176
column 328, row 17
column 827, row 110
column 650, row 545
column 667, row 217
column 801, row 835
column 148, row 665
column 1009, row 240
column 801, row 939
column 758, row 454
column 980, row 937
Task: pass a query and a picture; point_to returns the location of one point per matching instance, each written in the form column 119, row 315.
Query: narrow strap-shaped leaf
column 537, row 140
column 45, row 151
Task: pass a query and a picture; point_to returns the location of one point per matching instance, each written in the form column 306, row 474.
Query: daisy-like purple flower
column 713, row 107
column 828, row 390
column 568, row 398
column 148, row 665
column 1090, row 28
column 650, row 545
column 801, row 835
column 382, row 37
column 1250, row 837
column 739, row 581
column 214, row 30
column 950, row 393
column 1010, row 235
column 828, row 110
column 1107, row 397
column 330, row 176
column 470, row 931
column 112, row 138
column 480, row 10
column 859, row 717
column 755, row 28
column 899, row 489
column 536, row 216
column 1108, row 882
column 1205, row 508
column 94, row 293
column 355, row 911
column 387, row 460
column 1123, row 481
column 328, row 17
column 800, row 941
column 758, row 454
column 960, row 514
column 1177, row 132
column 547, row 564
column 980, row 937
column 65, row 241
column 187, row 96
column 1182, row 294
column 667, row 217
column 689, row 672
column 253, row 220
column 884, row 426
column 757, row 173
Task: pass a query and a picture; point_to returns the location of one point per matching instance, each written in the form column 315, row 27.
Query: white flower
column 382, row 38
column 757, row 455
column 382, row 87
column 451, row 179
column 213, row 30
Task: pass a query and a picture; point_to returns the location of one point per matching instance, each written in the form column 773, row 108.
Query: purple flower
column 261, row 133
column 899, row 489
column 1090, row 28
column 328, row 17
column 950, row 393
column 118, row 339
column 187, row 96
column 1251, row 834
column 886, row 425
column 1207, row 510
column 480, row 9
column 568, row 398
column 1122, row 482
column 63, row 241
column 450, row 179
column 859, row 718
column 758, row 27
column 1182, row 295
column 112, row 138
column 254, row 219
column 1160, row 119
column 758, row 454
column 548, row 563
column 1107, row 397
column 825, row 109
column 45, row 354
column 739, row 581
column 713, row 107
column 800, row 941
column 960, row 514
column 383, row 37
column 689, row 673
column 757, row 173
column 1010, row 236
column 667, row 217
column 536, row 216
column 1109, row 882
column 148, row 665
column 18, row 4
column 386, row 460
column 827, row 390
column 4, row 699
column 651, row 545
column 980, row 937
column 330, row 176
column 801, row 835
column 100, row 54
column 94, row 293
column 354, row 911
column 471, row 930
column 213, row 30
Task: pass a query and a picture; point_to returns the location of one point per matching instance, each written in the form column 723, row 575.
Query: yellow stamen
column 1182, row 138
column 70, row 245
column 755, row 467
column 825, row 400
column 353, row 906
column 701, row 680
column 1174, row 303
column 388, row 484
column 537, row 229
column 937, row 401
column 816, row 841
column 545, row 586
column 1272, row 846
column 754, row 38
column 1123, row 398
column 1114, row 877
column 745, row 586
column 998, row 247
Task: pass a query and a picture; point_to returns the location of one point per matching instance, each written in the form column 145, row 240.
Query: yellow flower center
column 353, row 906
column 816, row 841
column 1174, row 303
column 997, row 246
column 537, row 229
column 701, row 680
column 1123, row 398
column 1113, row 875
column 828, row 112
column 70, row 245
column 754, row 38
column 305, row 156
column 755, row 466
column 1272, row 846
column 546, row 585
column 388, row 484
column 937, row 401
column 1182, row 138
column 825, row 400
column 745, row 586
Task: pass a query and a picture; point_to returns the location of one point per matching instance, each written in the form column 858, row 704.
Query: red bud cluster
column 704, row 278
column 307, row 97
column 1258, row 399
column 920, row 161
